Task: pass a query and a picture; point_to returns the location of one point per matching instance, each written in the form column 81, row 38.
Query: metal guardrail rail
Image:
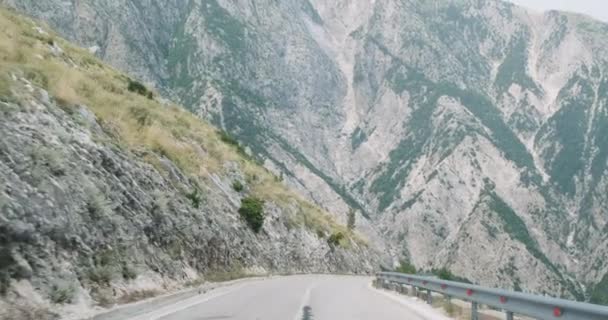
column 539, row 307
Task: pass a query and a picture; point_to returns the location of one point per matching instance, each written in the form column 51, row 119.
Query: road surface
column 311, row 297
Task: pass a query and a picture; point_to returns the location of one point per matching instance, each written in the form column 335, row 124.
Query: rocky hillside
column 108, row 193
column 470, row 133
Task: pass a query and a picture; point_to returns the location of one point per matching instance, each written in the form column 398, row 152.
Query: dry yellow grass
column 73, row 77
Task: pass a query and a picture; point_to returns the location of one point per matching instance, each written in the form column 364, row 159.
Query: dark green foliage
column 195, row 197
column 444, row 274
column 513, row 69
column 341, row 190
column 502, row 136
column 139, row 88
column 237, row 186
column 222, row 25
column 517, row 230
column 402, row 158
column 311, row 12
column 228, row 139
column 599, row 294
column 335, row 238
column 569, row 125
column 358, row 138
column 406, row 267
column 252, row 210
column 424, row 94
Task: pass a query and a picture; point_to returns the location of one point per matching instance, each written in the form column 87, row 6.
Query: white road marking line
column 182, row 305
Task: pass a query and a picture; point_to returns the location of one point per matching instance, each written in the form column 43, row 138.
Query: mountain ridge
column 408, row 111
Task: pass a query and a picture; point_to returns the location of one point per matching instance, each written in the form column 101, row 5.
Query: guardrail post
column 474, row 313
column 429, row 297
column 509, row 315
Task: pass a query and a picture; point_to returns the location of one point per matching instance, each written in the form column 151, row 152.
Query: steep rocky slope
column 108, row 193
column 471, row 133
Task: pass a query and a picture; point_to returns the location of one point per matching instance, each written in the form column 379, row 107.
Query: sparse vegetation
column 137, row 123
column 102, row 275
column 61, row 294
column 237, row 186
column 137, row 87
column 49, row 158
column 195, row 197
column 351, row 219
column 444, row 274
column 230, row 140
column 142, row 116
column 335, row 239
column 97, row 205
column 252, row 210
column 406, row 267
column 128, row 272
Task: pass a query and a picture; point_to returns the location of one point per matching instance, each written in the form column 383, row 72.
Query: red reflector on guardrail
column 557, row 312
column 469, row 292
column 503, row 299
column 444, row 286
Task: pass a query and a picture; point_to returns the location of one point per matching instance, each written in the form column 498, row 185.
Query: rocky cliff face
column 109, row 193
column 471, row 133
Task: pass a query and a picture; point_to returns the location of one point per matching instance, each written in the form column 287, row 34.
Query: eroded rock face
column 471, row 133
column 80, row 211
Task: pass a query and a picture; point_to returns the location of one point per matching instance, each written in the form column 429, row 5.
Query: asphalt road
column 297, row 298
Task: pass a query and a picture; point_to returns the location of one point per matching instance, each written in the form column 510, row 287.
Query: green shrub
column 444, row 274
column 97, row 205
column 335, row 238
column 227, row 138
column 139, row 88
column 406, row 267
column 237, row 186
column 61, row 294
column 142, row 116
column 252, row 210
column 195, row 198
column 101, row 275
column 128, row 273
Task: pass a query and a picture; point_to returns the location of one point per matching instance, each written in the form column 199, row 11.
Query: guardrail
column 539, row 307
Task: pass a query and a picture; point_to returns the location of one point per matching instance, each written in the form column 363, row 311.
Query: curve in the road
column 311, row 297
